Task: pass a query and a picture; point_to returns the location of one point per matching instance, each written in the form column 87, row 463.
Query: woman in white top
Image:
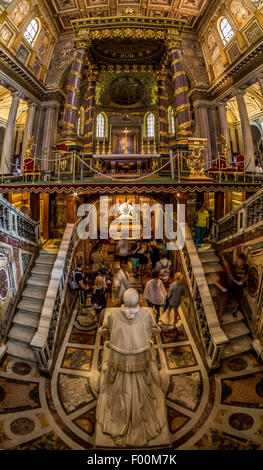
column 155, row 293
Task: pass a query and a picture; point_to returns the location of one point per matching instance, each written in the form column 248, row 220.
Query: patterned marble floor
column 224, row 411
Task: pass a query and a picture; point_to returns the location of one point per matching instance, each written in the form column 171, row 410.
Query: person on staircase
column 155, row 293
column 221, row 283
column 202, row 224
column 238, row 276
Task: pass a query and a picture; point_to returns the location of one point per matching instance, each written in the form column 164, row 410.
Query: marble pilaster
column 29, row 125
column 9, row 134
column 246, row 131
column 224, row 129
column 49, row 134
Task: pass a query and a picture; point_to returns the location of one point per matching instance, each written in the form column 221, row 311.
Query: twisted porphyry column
column 73, row 92
column 182, row 105
column 163, row 111
column 92, row 75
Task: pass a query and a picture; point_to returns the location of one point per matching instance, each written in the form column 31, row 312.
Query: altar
column 126, row 165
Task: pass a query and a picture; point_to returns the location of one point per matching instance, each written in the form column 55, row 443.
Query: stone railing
column 212, row 336
column 58, row 305
column 240, row 220
column 18, row 225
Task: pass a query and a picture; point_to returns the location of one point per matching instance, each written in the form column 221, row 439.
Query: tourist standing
column 155, row 293
column 135, row 257
column 202, row 225
column 122, row 280
column 98, row 297
column 164, row 268
column 123, row 250
column 96, row 259
column 174, row 297
column 82, row 285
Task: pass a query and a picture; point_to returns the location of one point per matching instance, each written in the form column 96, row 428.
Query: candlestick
column 98, row 147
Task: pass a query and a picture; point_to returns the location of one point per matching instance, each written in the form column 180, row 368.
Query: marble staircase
column 26, row 319
column 234, row 328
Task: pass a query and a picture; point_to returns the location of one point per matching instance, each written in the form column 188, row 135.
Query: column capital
column 82, row 44
column 16, row 95
column 239, row 92
column 92, row 74
column 161, row 75
column 173, row 39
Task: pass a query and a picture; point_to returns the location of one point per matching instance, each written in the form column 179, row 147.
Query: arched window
column 31, row 31
column 100, row 129
column 225, row 30
column 150, row 125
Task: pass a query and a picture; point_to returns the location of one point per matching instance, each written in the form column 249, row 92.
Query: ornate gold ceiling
column 67, row 10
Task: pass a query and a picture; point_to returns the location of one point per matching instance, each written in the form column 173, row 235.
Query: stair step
column 46, row 259
column 20, row 351
column 34, row 306
column 34, row 293
column 42, row 270
column 210, row 279
column 212, row 268
column 228, row 318
column 20, row 333
column 236, row 330
column 208, row 258
column 25, row 319
column 35, row 280
column 236, row 347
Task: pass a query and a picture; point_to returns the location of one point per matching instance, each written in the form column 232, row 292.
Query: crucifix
column 124, row 141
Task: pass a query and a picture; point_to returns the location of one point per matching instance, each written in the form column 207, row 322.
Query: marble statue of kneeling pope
column 131, row 409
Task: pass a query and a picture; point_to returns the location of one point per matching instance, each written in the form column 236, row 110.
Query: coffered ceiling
column 66, row 10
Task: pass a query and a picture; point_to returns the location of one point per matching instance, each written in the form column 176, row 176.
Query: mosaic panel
column 49, row 441
column 219, row 440
column 176, row 420
column 77, row 359
column 16, row 395
column 246, row 391
column 74, row 392
column 180, row 357
column 87, row 421
column 186, row 390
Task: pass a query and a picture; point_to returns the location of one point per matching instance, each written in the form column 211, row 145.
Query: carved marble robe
column 131, row 407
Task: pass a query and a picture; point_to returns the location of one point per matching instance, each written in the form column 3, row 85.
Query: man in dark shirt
column 239, row 277
column 82, row 285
